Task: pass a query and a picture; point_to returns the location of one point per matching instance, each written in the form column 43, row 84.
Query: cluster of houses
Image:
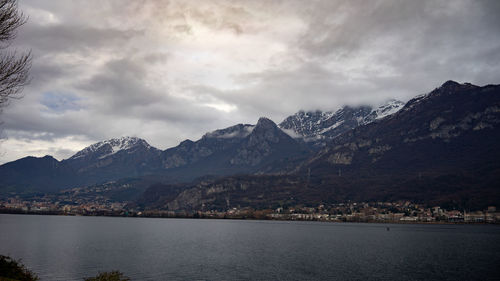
column 402, row 211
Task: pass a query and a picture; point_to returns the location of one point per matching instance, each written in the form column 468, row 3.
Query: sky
column 167, row 71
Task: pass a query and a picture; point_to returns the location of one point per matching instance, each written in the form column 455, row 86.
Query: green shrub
column 109, row 276
column 10, row 269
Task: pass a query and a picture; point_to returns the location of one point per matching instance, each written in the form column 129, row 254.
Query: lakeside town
column 92, row 202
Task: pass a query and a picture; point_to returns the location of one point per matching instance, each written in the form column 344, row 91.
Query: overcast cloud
column 170, row 70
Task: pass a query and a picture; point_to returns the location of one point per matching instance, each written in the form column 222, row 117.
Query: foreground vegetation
column 11, row 269
column 109, row 276
column 14, row 270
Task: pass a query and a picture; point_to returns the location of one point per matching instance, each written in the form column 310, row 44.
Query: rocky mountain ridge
column 237, row 149
column 318, row 127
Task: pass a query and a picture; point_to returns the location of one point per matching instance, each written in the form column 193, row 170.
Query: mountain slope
column 441, row 148
column 441, row 118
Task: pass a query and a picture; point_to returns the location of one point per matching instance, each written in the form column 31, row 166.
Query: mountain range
column 439, row 147
column 240, row 149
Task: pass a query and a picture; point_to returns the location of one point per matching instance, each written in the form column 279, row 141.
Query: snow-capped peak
column 109, row 147
column 306, row 123
column 317, row 125
column 389, row 108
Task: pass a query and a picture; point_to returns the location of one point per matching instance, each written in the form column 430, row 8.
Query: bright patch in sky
column 222, row 107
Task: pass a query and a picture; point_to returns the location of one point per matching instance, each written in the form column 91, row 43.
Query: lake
column 70, row 248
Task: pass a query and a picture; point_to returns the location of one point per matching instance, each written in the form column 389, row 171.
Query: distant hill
column 101, row 162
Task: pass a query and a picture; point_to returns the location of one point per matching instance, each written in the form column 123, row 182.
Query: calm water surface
column 70, row 248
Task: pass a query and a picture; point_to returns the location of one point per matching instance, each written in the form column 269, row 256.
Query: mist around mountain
column 318, row 127
column 437, row 148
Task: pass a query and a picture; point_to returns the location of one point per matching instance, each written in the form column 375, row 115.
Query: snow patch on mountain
column 386, row 109
column 109, row 147
column 304, row 124
column 389, row 108
column 332, row 127
column 291, row 133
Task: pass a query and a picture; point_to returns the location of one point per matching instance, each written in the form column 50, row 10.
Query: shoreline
column 135, row 215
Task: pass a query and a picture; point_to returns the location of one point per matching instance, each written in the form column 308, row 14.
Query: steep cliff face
column 261, row 191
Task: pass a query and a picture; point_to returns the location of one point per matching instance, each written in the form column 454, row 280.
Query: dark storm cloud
column 120, row 83
column 46, row 71
column 121, row 88
column 407, row 25
column 420, row 41
column 66, row 38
